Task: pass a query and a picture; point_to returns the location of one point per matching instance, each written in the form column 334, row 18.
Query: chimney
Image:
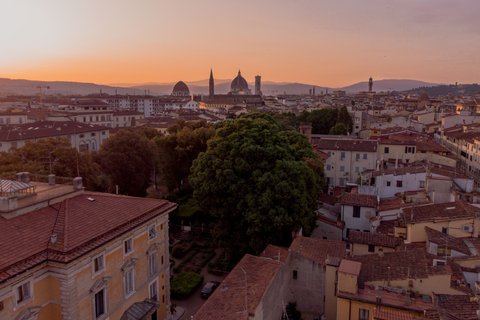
column 77, row 183
column 23, row 177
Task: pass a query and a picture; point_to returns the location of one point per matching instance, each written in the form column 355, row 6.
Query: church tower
column 211, row 85
column 370, row 84
column 258, row 85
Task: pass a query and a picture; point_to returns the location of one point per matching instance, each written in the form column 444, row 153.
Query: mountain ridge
column 32, row 87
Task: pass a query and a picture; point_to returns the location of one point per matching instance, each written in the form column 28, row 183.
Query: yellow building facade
column 113, row 264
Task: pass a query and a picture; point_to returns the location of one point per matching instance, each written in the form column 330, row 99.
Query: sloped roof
column 241, row 291
column 439, row 212
column 377, row 239
column 318, row 250
column 78, row 226
column 357, row 199
column 445, row 240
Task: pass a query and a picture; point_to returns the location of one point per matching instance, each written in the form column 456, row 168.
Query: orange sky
column 330, row 43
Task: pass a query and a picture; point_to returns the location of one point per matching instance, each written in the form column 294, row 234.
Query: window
column 386, row 150
column 152, row 232
column 371, row 248
column 409, row 149
column 363, row 314
column 342, row 168
column 422, row 184
column 388, row 183
column 129, row 284
column 357, row 156
column 23, row 292
column 100, row 304
column 98, row 263
column 294, row 274
column 399, row 183
column 328, row 167
column 356, row 211
column 365, row 156
column 128, row 246
column 443, row 252
column 342, row 155
column 153, row 290
column 445, row 230
column 152, row 263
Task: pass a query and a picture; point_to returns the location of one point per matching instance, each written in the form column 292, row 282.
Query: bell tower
column 211, row 85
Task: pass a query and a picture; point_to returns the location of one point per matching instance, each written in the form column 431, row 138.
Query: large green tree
column 178, row 149
column 259, row 182
column 127, row 157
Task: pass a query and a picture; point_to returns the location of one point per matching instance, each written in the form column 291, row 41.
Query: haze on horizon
column 329, row 43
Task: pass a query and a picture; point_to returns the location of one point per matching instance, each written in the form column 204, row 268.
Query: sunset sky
column 331, row 43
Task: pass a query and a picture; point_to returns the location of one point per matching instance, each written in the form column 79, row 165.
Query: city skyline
column 324, row 43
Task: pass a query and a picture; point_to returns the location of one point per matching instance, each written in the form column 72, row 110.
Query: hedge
column 184, row 284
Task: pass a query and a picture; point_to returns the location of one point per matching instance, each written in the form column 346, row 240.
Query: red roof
column 80, row 225
column 325, row 144
column 45, row 129
column 318, row 250
column 357, row 199
column 241, row 291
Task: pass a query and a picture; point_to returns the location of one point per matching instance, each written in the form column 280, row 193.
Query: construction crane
column 41, row 92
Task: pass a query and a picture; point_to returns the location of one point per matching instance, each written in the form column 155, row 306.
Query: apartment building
column 81, row 136
column 347, row 158
column 71, row 254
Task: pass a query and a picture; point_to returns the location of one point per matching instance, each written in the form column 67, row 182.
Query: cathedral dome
column 239, row 84
column 180, row 89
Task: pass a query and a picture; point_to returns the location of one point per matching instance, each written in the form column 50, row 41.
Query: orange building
column 71, row 254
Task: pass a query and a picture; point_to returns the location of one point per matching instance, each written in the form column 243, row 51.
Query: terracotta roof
column 439, row 212
column 421, row 141
column 392, row 299
column 318, row 250
column 241, row 291
column 350, row 267
column 460, row 306
column 44, row 129
column 80, row 225
column 324, row 144
column 377, row 239
column 357, row 199
column 445, row 240
column 401, row 265
column 386, row 314
column 386, row 227
column 390, row 204
column 275, row 253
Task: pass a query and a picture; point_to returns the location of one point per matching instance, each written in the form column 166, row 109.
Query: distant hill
column 30, row 87
column 388, row 85
column 444, row 90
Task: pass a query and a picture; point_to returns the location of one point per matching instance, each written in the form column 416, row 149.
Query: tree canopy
column 53, row 155
column 178, row 150
column 324, row 120
column 258, row 181
column 127, row 158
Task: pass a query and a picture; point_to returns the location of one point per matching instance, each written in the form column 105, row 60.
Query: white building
column 347, row 158
column 81, row 136
column 358, row 211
